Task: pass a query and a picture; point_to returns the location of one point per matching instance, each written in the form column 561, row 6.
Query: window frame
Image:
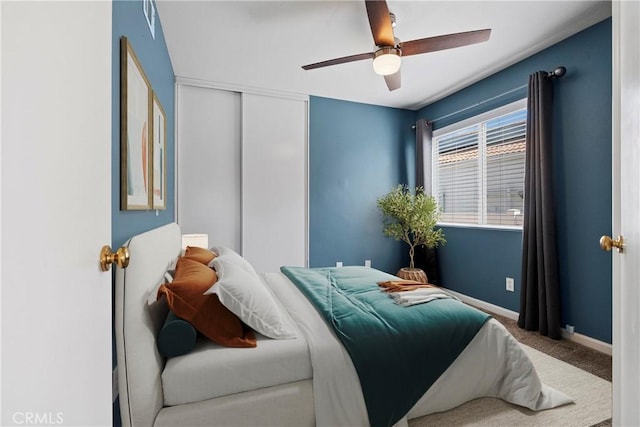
column 471, row 121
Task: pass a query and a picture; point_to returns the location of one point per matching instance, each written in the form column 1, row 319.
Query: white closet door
column 274, row 181
column 209, row 175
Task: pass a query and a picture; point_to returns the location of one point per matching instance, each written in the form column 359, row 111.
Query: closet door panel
column 274, row 181
column 209, row 157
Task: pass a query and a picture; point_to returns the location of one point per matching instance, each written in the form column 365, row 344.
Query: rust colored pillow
column 205, row 312
column 202, row 255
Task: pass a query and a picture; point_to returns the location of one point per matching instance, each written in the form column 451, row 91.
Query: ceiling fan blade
column 447, row 41
column 393, row 80
column 337, row 61
column 380, row 22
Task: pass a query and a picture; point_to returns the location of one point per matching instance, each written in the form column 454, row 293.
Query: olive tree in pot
column 411, row 217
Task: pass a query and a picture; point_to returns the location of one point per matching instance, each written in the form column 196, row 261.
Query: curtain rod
column 555, row 74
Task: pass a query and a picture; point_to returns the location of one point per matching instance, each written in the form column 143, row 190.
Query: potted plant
column 411, row 217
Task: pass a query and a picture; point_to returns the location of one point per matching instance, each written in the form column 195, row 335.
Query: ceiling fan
column 389, row 50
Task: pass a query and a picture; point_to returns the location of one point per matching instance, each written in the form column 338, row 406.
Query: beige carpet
column 592, row 405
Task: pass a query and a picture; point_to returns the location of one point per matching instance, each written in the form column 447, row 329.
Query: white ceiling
column 263, row 44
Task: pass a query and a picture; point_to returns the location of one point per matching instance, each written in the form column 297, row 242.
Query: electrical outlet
column 509, row 283
column 339, row 264
column 367, row 263
column 570, row 329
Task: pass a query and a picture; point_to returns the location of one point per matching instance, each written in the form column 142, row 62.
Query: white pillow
column 247, row 296
column 233, row 257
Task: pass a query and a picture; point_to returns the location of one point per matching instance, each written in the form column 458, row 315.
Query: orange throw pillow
column 205, row 312
column 202, row 255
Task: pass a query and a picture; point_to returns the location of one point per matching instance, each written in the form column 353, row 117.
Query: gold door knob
column 606, row 243
column 120, row 257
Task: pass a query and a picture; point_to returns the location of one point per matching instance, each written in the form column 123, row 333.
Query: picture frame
column 159, row 152
column 135, row 132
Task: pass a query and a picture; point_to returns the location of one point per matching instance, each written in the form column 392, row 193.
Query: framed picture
column 135, row 132
column 159, row 138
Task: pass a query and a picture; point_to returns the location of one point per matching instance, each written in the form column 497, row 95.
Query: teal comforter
column 398, row 352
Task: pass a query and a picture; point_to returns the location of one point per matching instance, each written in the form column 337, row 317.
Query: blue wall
column 475, row 261
column 129, row 21
column 357, row 153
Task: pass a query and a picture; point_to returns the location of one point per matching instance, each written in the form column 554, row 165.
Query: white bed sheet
column 493, row 365
column 211, row 370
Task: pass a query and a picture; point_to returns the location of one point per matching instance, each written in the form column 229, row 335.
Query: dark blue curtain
column 540, row 293
column 424, row 257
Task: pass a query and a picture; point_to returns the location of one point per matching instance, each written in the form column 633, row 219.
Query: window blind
column 478, row 170
column 505, row 168
column 457, row 180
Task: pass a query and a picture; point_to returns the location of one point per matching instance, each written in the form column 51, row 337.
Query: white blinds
column 505, row 168
column 458, row 190
column 478, row 172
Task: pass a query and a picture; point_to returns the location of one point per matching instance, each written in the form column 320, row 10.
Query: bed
column 309, row 378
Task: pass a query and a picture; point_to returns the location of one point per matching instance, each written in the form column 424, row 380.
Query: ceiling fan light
column 386, row 61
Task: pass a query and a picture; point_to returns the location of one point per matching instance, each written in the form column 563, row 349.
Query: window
column 478, row 168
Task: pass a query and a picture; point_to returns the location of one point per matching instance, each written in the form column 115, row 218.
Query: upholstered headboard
column 137, row 323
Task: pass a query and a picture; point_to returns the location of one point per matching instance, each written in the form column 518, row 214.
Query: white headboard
column 139, row 363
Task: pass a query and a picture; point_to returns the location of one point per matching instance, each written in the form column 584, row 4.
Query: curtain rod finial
column 557, row 73
column 426, row 123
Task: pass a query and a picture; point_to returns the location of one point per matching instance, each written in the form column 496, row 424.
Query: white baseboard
column 509, row 314
column 586, row 341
